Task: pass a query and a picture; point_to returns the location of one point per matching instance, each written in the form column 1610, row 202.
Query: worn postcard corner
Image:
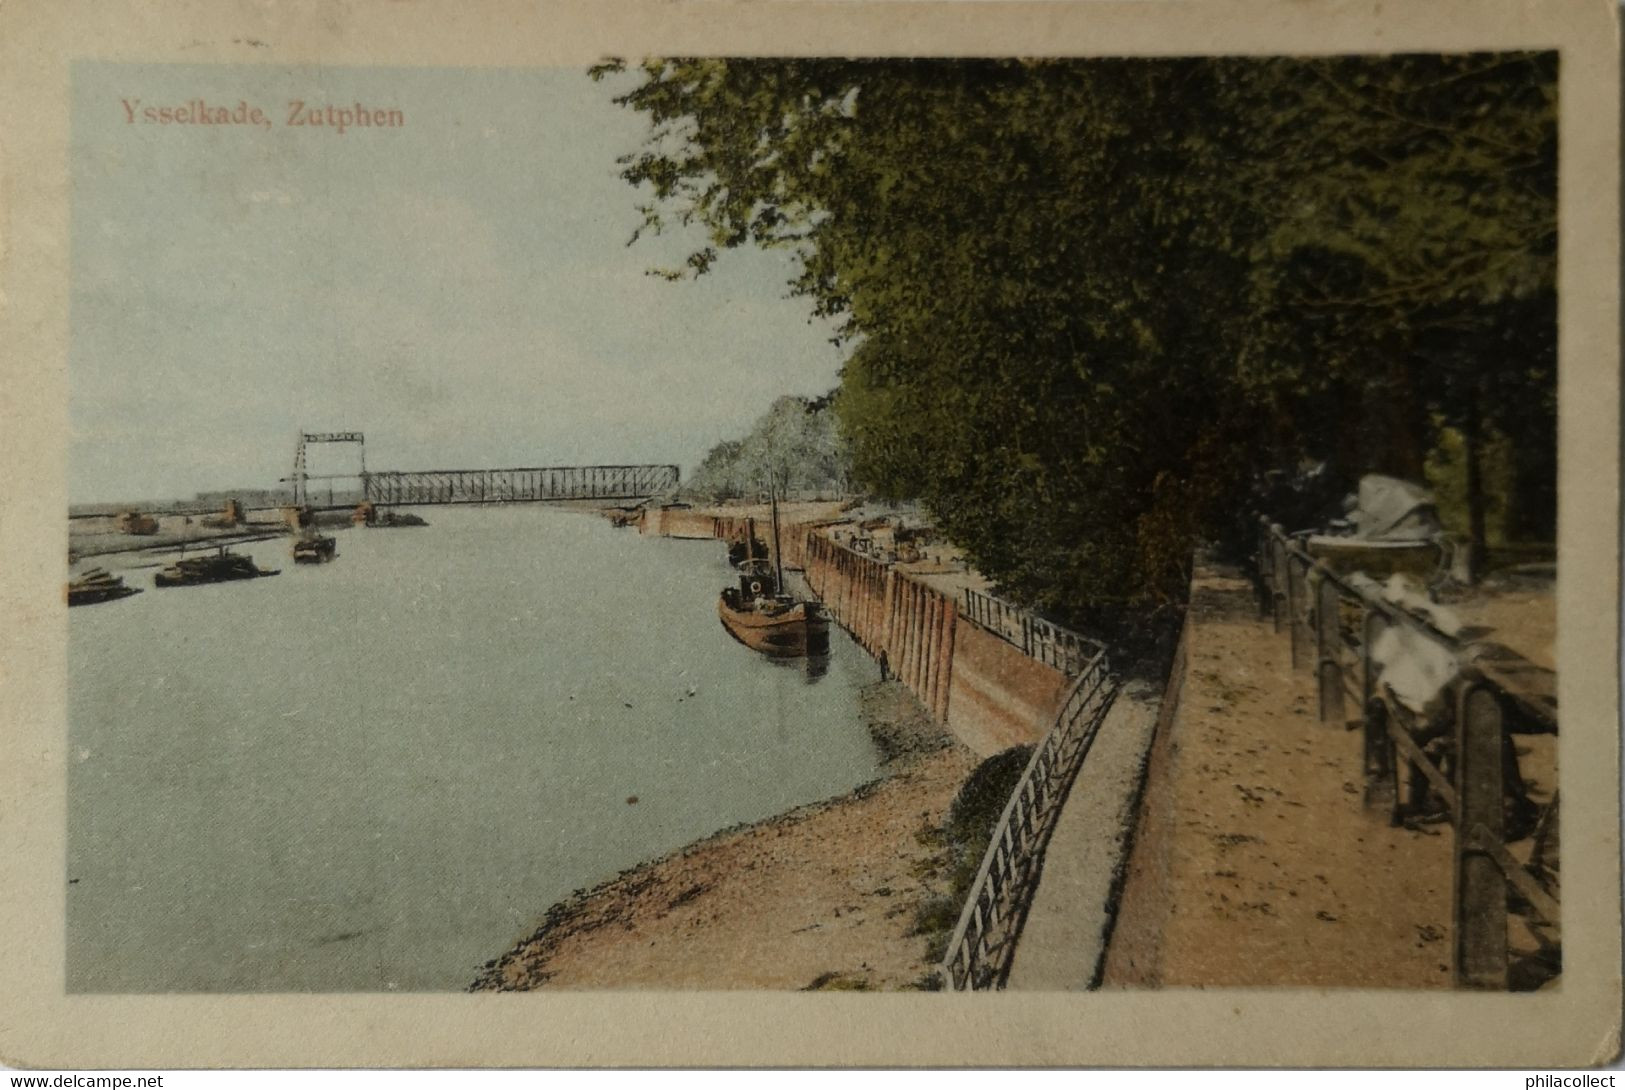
column 815, row 534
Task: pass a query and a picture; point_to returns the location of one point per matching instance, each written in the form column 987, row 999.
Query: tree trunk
column 1404, row 451
column 1393, row 434
column 1532, row 505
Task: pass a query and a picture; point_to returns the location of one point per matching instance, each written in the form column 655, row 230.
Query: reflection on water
column 376, row 773
column 811, row 668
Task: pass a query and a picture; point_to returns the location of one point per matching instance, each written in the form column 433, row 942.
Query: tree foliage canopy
column 1087, row 301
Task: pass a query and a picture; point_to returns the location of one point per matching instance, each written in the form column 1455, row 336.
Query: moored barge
column 222, row 567
column 97, row 585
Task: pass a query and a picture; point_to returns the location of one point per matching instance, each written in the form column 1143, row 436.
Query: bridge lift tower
column 301, row 479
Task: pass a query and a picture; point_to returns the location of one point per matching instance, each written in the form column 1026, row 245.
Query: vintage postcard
column 822, row 534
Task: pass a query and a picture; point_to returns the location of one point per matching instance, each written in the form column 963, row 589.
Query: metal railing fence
column 983, row 941
column 1333, row 622
column 1043, row 640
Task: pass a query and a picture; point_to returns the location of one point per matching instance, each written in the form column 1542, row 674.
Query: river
column 374, row 774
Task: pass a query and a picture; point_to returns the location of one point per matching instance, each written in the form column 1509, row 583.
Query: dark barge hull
column 196, row 573
column 97, row 585
column 93, row 595
column 163, row 580
column 792, row 632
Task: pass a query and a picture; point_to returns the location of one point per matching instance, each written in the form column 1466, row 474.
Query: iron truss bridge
column 519, row 485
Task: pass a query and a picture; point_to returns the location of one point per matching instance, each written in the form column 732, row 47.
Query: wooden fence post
column 932, row 641
column 1278, row 583
column 1263, row 561
column 916, row 634
column 1380, row 756
column 1329, row 649
column 1297, row 597
column 1479, row 893
column 1372, row 624
column 950, row 627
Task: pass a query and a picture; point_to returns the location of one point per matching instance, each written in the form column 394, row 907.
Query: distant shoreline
column 95, row 535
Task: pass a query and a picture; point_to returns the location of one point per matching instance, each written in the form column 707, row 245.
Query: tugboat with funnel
column 221, row 567
column 746, row 546
column 760, row 614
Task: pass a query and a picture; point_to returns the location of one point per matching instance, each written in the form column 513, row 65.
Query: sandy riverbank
column 824, row 896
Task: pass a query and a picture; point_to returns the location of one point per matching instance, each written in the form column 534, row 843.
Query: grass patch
column 964, row 838
column 938, row 913
column 838, row 982
column 930, row 982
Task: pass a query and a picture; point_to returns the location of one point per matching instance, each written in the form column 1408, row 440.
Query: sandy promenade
column 824, row 896
column 1256, row 862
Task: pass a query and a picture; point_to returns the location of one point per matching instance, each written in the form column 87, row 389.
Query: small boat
column 369, row 516
column 222, row 567
column 96, row 585
column 747, row 546
column 314, row 549
column 762, row 616
column 134, row 522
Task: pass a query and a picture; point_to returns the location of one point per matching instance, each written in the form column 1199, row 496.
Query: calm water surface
column 376, row 773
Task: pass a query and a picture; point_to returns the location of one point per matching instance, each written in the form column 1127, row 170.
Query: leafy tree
column 1411, row 266
column 1088, row 300
column 795, row 443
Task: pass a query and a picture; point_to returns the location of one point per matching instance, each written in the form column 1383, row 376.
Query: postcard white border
column 40, row 1026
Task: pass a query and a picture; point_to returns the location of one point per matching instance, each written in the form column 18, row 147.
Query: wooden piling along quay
column 1061, row 693
column 1495, row 692
column 887, row 613
column 916, row 626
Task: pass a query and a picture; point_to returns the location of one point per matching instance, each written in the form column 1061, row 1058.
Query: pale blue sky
column 459, row 289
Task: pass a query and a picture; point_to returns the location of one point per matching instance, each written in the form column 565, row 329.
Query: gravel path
column 1256, row 863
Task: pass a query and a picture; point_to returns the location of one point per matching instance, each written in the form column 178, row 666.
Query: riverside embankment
column 1235, row 850
column 975, row 682
column 852, row 892
column 838, row 894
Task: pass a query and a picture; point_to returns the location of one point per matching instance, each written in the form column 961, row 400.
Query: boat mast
column 778, row 562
